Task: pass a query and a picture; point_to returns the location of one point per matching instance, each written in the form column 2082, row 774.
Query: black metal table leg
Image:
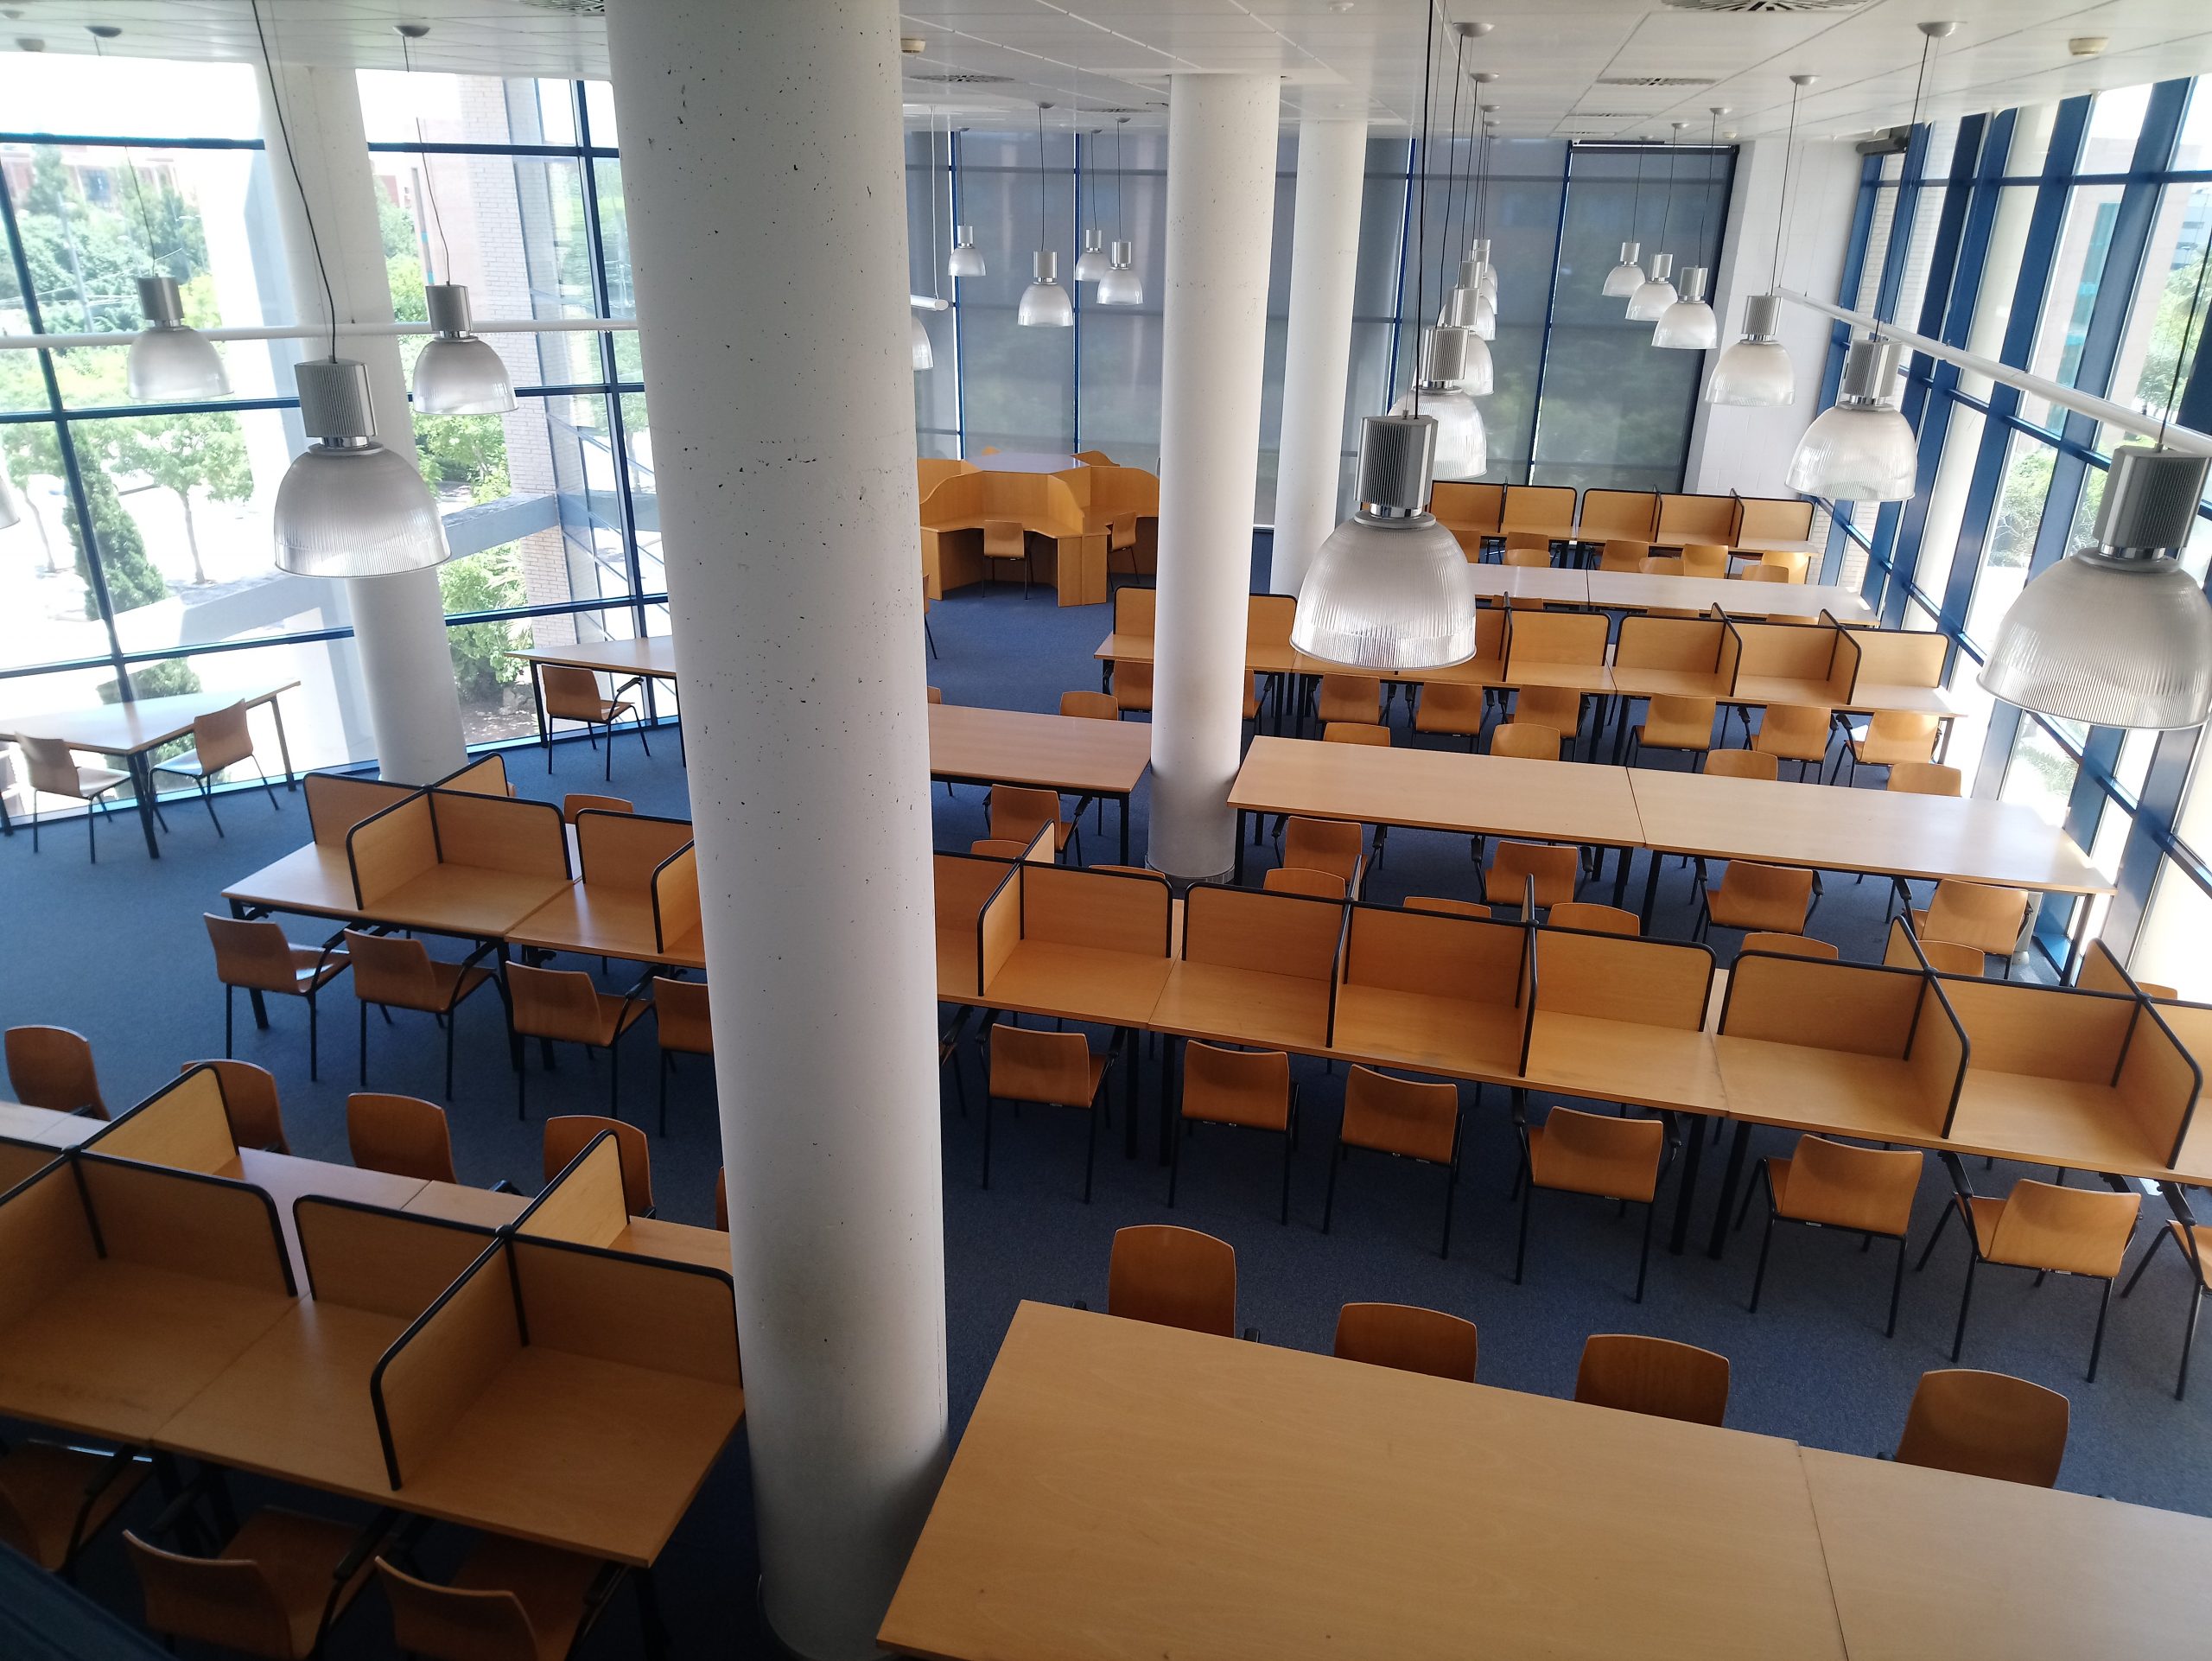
column 1125, row 827
column 1166, row 1097
column 284, row 746
column 1731, row 1177
column 1240, row 847
column 1686, row 1195
column 142, row 784
column 1651, row 888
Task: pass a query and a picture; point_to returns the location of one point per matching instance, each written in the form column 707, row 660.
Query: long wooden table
column 135, row 730
column 1070, row 754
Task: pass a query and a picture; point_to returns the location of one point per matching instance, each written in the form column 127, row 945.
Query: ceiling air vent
column 957, row 78
column 1766, row 5
column 589, row 8
column 1654, row 80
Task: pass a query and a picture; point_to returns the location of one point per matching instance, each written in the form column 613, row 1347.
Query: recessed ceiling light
column 2087, row 45
column 1339, row 5
column 1766, row 5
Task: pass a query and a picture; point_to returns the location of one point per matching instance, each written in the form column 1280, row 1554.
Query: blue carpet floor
column 118, row 951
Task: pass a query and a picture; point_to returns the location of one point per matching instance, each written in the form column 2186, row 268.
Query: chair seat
column 1630, row 1174
column 95, row 781
column 602, row 710
column 1871, row 1210
column 2204, row 1249
column 553, row 1587
column 188, row 766
column 300, row 1554
column 313, row 968
column 45, row 1485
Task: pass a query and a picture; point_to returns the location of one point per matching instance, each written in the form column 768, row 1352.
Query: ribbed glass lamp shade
column 1475, row 378
column 1625, row 278
column 966, row 258
column 1487, row 289
column 348, row 507
column 924, row 358
column 457, row 373
column 1389, row 589
column 10, row 510
column 2117, row 635
column 1121, row 286
column 1044, row 303
column 1485, row 320
column 1861, row 449
column 1462, row 443
column 169, row 362
column 1091, row 264
column 1648, row 303
column 1755, row 372
column 1688, row 325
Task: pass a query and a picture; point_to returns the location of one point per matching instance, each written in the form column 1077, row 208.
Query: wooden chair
column 1949, row 958
column 508, row 1601
column 1975, row 914
column 1453, row 709
column 1018, row 814
column 1596, row 919
column 392, row 971
column 1655, row 1376
column 569, row 1134
column 1529, row 740
column 1741, row 764
column 2196, row 1243
column 1556, row 707
column 1674, row 723
column 562, row 1006
column 1987, row 1424
column 1794, row 732
column 1926, row 779
column 1331, row 846
column 721, row 1198
column 256, row 957
column 1133, row 686
column 221, row 738
column 1793, row 567
column 1354, row 732
column 935, row 694
column 52, row 765
column 1621, row 555
column 1251, row 1090
column 577, row 801
column 274, row 1590
column 998, row 848
column 55, row 1498
column 1173, row 1277
column 2040, row 1225
column 1556, row 869
column 1529, row 552
column 1762, row 573
column 1758, row 898
column 1706, row 559
column 51, row 1067
column 402, row 1135
column 572, row 694
column 1889, row 737
column 1574, row 1152
column 1790, row 945
column 1122, row 542
column 1408, row 1338
column 1446, row 907
column 1405, row 1119
column 1293, row 879
column 683, row 1025
column 1826, row 1183
column 1093, row 458
column 1665, row 565
column 1350, row 697
column 1053, row 1069
column 1090, row 706
column 250, row 1104
column 1006, row 541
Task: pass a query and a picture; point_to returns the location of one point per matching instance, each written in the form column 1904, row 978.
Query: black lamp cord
column 429, row 185
column 284, row 132
column 1774, row 277
column 1420, row 253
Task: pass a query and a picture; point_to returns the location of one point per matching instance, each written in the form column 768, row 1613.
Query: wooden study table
column 45, row 1127
column 1643, row 591
column 651, row 656
column 1125, row 1489
column 135, row 730
column 1549, row 585
column 1071, row 755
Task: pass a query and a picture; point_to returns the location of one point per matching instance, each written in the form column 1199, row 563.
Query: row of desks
column 1126, row 1489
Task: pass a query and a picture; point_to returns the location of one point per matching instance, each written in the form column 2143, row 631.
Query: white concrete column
column 1221, row 158
column 1317, row 345
column 399, row 629
column 765, row 187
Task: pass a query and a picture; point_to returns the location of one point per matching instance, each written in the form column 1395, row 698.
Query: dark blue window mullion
column 959, row 373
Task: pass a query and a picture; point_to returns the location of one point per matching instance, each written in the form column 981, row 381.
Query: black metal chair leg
column 2189, row 1340
column 230, row 998
column 1965, row 1298
column 364, row 1069
column 1766, row 1244
column 1896, row 1290
column 452, row 1020
column 1520, row 1243
column 1942, row 1223
column 1289, row 1143
column 1329, row 1200
column 314, row 1022
column 1091, row 1152
column 2164, row 1235
column 1451, row 1186
column 2097, row 1344
column 1644, row 1260
column 1174, row 1158
column 665, row 1062
column 207, row 800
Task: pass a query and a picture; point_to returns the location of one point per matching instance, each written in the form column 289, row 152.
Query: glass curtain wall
column 2067, row 241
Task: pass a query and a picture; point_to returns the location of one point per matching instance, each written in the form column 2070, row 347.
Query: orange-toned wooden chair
column 1655, row 1376
column 1406, row 1119
column 1529, row 741
column 562, row 1006
column 1596, row 919
column 1173, row 1277
column 1293, row 879
column 721, row 1198
column 1557, row 707
column 1332, row 845
column 1741, row 764
column 683, row 1025
column 2196, row 1243
column 392, row 971
column 274, row 1590
column 1451, row 709
column 55, row 1498
column 1793, row 567
column 935, row 694
column 1356, row 732
column 508, row 1600
column 1251, row 1090
column 1758, row 898
column 402, row 1135
column 1764, row 572
column 569, row 1134
column 1445, row 907
column 1949, row 958
column 573, row 694
column 1005, row 542
column 1051, row 1069
column 579, row 801
column 1531, row 552
column 1988, row 1424
column 1795, row 732
column 1674, row 723
column 1976, row 914
column 1574, row 1152
column 220, row 740
column 1017, row 814
column 1133, row 686
column 53, row 770
column 250, row 1104
column 1926, row 779
column 1707, row 559
column 998, row 848
column 1349, row 699
column 51, row 1067
column 1090, row 706
column 255, row 956
column 1790, row 945
column 1890, row 736
column 1410, row 1338
column 1556, row 869
column 1826, row 1183
column 1622, row 555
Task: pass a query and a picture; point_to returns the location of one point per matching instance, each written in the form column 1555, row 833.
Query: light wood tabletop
column 285, row 1177
column 314, row 881
column 596, row 921
column 1125, row 1489
column 1928, row 1564
column 46, row 1127
column 1644, row 590
column 466, row 900
column 132, row 728
column 1069, row 754
column 653, row 655
column 1550, row 585
column 458, row 1203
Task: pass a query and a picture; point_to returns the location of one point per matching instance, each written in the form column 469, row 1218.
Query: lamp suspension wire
column 1919, row 85
column 2181, row 353
column 1420, row 253
column 284, row 134
column 422, row 149
column 102, row 34
column 1121, row 184
column 1040, row 175
column 1636, row 211
column 936, row 275
column 1774, row 277
column 1705, row 196
column 1666, row 213
column 1452, row 172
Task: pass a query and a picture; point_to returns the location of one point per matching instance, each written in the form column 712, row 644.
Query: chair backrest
column 1293, row 879
column 568, row 1134
column 721, row 1198
column 1350, row 698
column 1559, row 707
column 1742, row 764
column 1764, row 572
column 1554, row 867
column 1899, row 736
column 1445, row 907
column 2081, row 1230
column 1704, row 559
column 681, row 1014
column 1217, row 1081
column 1121, row 531
column 251, row 952
column 1655, row 1376
column 1408, row 1117
column 1599, row 1154
column 392, row 969
column 1663, row 565
column 403, row 1134
column 1173, row 1277
column 1794, row 566
column 52, row 765
column 1330, row 845
column 1830, row 1179
column 52, row 1067
column 1529, row 739
column 250, row 1104
column 1786, row 889
column 1029, row 1065
column 579, row 801
column 1675, row 723
column 221, row 737
column 1986, row 1424
column 1532, row 552
column 571, row 693
column 1090, row 706
column 1790, row 945
column 1926, row 779
column 1408, row 1338
column 1598, row 920
column 935, row 694
column 1132, row 685
column 455, row 1623
column 1356, row 732
column 1976, row 914
column 1623, row 555
column 1018, row 814
column 998, row 848
column 1949, row 958
column 552, row 1002
column 1004, row 539
column 228, row 1602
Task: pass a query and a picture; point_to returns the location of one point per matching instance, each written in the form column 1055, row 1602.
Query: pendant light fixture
column 1483, row 318
column 456, row 372
column 1044, row 303
column 1457, row 307
column 1454, row 360
column 1391, row 589
column 918, row 335
column 1121, row 286
column 1861, row 449
column 1648, row 303
column 347, row 506
column 168, row 362
column 1625, row 278
column 1755, row 372
column 966, row 258
column 1688, row 325
column 11, row 511
column 1462, row 447
column 1092, row 264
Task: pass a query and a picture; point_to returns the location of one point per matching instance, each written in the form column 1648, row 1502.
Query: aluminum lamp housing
column 1459, row 446
column 1625, row 278
column 1044, row 303
column 1862, row 448
column 458, row 372
column 1391, row 589
column 1648, row 303
column 2118, row 634
column 1688, row 325
column 169, row 363
column 966, row 259
column 1755, row 372
column 348, row 507
column 1121, row 286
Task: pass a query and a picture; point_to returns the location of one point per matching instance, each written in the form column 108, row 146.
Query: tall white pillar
column 399, row 628
column 762, row 163
column 1317, row 346
column 1221, row 159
